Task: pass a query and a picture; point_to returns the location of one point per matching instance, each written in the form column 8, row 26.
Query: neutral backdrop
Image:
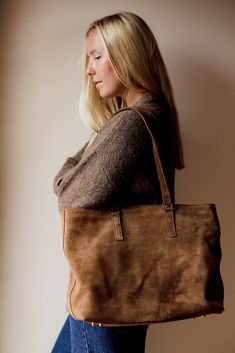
column 40, row 127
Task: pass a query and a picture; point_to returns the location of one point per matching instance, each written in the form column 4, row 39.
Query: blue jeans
column 81, row 337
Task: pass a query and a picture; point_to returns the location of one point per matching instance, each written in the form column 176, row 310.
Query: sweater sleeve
column 70, row 163
column 108, row 165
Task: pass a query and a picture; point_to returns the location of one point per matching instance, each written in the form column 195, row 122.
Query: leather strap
column 166, row 198
column 117, row 227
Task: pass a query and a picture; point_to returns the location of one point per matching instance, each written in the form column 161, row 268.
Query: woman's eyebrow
column 93, row 51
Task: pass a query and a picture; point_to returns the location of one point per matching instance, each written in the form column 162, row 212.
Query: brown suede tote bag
column 143, row 264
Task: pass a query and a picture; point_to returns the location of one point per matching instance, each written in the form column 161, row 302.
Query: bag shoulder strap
column 166, row 198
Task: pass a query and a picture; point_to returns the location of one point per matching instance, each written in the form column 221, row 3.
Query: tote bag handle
column 166, row 198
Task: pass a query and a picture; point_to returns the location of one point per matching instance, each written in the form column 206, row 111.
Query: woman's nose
column 90, row 69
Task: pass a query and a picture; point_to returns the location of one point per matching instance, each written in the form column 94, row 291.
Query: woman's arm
column 108, row 165
column 70, row 163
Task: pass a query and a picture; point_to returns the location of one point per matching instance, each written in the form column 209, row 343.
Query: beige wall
column 40, row 48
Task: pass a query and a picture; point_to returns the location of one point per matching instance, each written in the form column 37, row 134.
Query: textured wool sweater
column 117, row 168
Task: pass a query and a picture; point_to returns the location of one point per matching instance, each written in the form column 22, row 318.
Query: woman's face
column 100, row 69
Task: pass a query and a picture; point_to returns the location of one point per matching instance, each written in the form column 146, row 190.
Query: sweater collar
column 147, row 98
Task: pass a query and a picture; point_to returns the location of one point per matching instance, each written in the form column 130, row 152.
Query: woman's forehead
column 94, row 43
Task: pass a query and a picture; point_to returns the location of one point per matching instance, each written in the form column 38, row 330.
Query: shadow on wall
column 206, row 110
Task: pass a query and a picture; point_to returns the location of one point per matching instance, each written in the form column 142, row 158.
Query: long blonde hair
column 136, row 59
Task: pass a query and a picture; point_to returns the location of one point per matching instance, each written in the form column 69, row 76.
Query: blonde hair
column 136, row 59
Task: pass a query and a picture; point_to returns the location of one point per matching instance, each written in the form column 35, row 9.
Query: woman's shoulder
column 124, row 132
column 129, row 120
column 126, row 128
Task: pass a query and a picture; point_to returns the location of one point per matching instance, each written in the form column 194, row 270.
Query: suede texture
column 145, row 276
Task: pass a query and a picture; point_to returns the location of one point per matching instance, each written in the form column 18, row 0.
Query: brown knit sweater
column 118, row 168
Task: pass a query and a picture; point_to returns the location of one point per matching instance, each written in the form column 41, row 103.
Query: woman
column 123, row 67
